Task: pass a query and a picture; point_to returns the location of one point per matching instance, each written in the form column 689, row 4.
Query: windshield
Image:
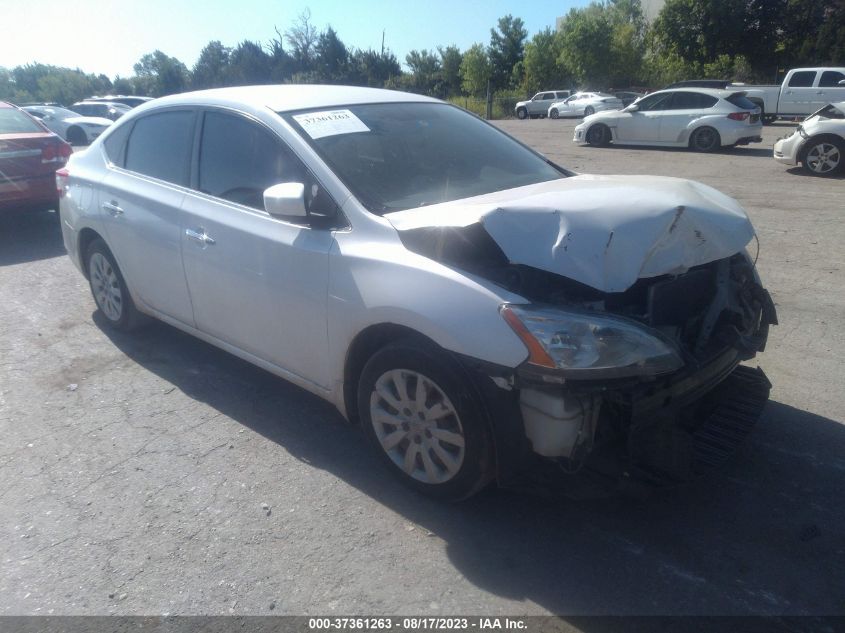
column 830, row 111
column 15, row 122
column 402, row 155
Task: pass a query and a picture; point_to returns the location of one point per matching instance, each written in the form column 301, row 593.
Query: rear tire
column 553, row 113
column 421, row 417
column 823, row 156
column 589, row 110
column 76, row 136
column 109, row 288
column 598, row 135
column 705, row 139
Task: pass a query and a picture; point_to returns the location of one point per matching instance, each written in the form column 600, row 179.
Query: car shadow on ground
column 741, row 151
column 29, row 236
column 764, row 536
column 800, row 171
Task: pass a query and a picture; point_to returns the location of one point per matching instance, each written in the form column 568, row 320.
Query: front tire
column 109, row 288
column 522, row 114
column 705, row 139
column 422, row 418
column 598, row 135
column 823, row 156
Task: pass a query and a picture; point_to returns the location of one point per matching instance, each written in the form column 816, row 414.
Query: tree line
column 608, row 44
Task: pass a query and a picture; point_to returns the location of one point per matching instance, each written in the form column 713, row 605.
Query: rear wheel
column 554, row 113
column 598, row 135
column 521, row 113
column 76, row 136
column 109, row 289
column 421, row 417
column 589, row 110
column 824, row 156
column 705, row 139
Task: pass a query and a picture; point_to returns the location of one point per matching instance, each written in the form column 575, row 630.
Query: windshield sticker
column 330, row 123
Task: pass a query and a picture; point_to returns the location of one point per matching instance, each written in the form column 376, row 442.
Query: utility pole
column 382, row 42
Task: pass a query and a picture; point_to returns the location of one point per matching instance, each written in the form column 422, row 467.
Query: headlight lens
column 585, row 345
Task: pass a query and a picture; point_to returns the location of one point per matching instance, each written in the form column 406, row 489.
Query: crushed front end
column 677, row 406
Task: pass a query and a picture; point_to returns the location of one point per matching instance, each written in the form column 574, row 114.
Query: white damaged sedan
column 483, row 313
column 818, row 144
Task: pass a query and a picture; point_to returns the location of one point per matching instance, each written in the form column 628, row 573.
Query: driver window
column 239, row 159
column 656, row 102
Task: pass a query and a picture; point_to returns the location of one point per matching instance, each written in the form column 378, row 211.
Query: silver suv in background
column 538, row 105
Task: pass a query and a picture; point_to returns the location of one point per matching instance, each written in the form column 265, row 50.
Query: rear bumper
column 36, row 192
column 741, row 133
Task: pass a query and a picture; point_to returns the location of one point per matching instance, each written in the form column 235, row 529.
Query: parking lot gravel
column 153, row 473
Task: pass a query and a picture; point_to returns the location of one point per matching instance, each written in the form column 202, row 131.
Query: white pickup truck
column 803, row 91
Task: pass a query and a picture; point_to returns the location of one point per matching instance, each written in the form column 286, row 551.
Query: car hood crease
column 603, row 231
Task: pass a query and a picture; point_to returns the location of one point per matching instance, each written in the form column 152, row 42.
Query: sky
column 110, row 36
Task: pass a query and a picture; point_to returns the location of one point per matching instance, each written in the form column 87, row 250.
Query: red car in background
column 30, row 154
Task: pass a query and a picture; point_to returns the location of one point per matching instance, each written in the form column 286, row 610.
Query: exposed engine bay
column 664, row 428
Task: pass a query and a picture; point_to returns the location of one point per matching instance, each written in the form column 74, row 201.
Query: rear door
column 683, row 109
column 140, row 200
column 257, row 282
column 798, row 93
column 829, row 90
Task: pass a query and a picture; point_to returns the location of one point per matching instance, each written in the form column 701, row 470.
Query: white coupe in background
column 74, row 128
column 699, row 118
column 818, row 143
column 584, row 104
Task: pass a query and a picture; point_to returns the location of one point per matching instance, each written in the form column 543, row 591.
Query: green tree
column 506, row 51
column 249, row 65
column 425, row 69
column 158, row 74
column 122, row 86
column 369, row 68
column 212, row 67
column 476, row 71
column 332, row 57
column 450, row 69
column 542, row 68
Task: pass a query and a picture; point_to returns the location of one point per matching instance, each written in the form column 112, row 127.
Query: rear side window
column 14, row 121
column 741, row 101
column 115, row 144
column 239, row 159
column 692, row 101
column 160, row 146
column 803, row 79
column 831, row 79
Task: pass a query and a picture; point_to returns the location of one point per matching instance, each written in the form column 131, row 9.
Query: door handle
column 113, row 209
column 199, row 235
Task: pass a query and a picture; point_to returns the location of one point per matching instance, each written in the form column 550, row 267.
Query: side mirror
column 286, row 199
column 632, row 108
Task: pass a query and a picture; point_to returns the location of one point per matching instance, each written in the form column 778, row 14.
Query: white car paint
column 296, row 299
column 579, row 103
column 803, row 91
column 538, row 105
column 818, row 143
column 670, row 126
column 62, row 121
column 666, row 226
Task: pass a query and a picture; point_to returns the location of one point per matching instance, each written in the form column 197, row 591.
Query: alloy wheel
column 823, row 158
column 417, row 426
column 106, row 287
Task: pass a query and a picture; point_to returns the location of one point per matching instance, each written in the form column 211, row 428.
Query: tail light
column 739, row 116
column 62, row 178
column 55, row 153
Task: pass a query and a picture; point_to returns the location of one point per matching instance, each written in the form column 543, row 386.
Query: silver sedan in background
column 584, row 104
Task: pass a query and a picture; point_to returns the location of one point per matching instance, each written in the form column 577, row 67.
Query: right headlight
column 586, row 345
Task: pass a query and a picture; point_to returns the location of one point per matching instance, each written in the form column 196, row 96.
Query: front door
column 257, row 282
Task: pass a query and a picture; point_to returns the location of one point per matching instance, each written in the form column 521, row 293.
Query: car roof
column 285, row 98
column 713, row 92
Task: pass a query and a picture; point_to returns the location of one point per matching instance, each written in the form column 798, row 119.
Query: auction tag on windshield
column 330, row 123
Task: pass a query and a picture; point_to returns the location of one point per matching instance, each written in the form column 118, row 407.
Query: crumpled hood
column 603, row 231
